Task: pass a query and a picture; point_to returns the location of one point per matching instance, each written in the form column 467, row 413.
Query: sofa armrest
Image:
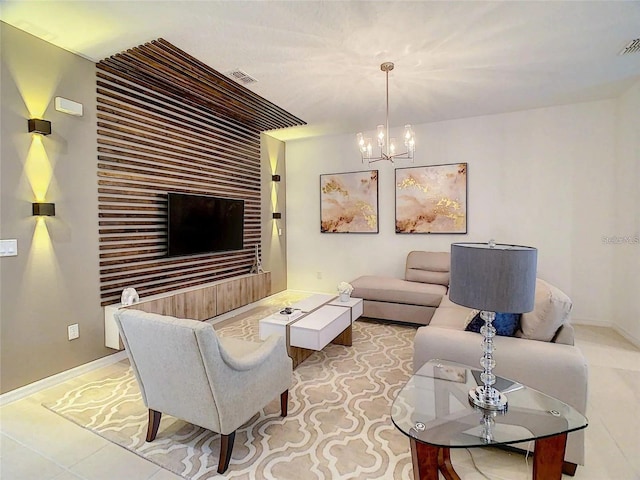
column 555, row 369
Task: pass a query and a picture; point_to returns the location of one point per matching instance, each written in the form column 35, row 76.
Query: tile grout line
column 48, row 458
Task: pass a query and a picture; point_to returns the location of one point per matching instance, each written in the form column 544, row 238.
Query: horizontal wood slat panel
column 114, row 89
column 197, row 127
column 168, row 123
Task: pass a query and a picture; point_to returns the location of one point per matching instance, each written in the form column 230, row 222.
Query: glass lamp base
column 495, row 401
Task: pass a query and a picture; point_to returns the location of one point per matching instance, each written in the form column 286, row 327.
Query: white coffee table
column 354, row 304
column 317, row 329
column 317, row 321
column 277, row 323
column 313, row 302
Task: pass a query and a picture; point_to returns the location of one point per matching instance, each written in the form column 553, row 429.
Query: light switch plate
column 73, row 331
column 8, row 248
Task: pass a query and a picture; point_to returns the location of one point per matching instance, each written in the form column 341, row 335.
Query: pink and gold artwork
column 432, row 199
column 349, row 202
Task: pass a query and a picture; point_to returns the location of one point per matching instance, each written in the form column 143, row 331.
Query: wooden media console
column 198, row 303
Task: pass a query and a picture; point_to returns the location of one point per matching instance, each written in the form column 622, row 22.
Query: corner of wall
column 274, row 234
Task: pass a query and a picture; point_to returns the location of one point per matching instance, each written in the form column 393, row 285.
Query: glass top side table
column 433, row 410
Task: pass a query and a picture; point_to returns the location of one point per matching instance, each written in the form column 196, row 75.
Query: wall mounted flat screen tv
column 204, row 224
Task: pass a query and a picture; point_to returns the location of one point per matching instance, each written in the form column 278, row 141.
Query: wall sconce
column 277, row 215
column 275, row 178
column 43, row 127
column 44, row 209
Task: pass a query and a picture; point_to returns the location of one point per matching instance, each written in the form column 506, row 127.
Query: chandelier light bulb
column 408, row 133
column 380, row 135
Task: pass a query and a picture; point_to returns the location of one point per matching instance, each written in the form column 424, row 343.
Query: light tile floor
column 36, row 444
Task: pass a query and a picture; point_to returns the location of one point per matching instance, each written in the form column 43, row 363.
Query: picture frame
column 349, row 202
column 431, row 199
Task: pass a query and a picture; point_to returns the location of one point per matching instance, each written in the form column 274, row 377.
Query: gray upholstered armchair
column 185, row 370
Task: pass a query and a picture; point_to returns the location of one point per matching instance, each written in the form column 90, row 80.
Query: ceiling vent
column 241, row 77
column 633, row 47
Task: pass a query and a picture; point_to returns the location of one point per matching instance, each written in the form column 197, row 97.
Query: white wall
column 626, row 244
column 542, row 177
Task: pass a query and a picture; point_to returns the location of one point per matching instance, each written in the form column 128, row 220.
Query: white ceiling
column 320, row 60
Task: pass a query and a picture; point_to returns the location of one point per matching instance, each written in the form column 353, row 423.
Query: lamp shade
column 494, row 278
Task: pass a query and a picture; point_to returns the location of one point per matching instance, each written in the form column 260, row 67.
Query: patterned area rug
column 338, row 426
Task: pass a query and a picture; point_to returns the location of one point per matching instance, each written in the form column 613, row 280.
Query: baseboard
column 590, row 322
column 627, row 335
column 616, row 328
column 53, row 380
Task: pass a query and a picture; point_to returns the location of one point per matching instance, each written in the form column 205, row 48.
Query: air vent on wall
column 241, row 77
column 632, row 47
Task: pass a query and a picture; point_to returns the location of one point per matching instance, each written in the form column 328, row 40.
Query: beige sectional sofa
column 542, row 355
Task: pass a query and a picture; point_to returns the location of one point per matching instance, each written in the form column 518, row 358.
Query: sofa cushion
column 446, row 302
column 428, row 267
column 396, row 290
column 551, row 309
column 424, row 276
column 454, row 317
column 506, row 324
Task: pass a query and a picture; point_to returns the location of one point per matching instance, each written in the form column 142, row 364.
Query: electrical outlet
column 74, row 331
column 319, row 275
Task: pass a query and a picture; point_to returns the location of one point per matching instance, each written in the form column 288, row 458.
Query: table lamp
column 492, row 278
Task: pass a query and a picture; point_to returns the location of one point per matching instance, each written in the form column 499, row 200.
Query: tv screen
column 204, row 224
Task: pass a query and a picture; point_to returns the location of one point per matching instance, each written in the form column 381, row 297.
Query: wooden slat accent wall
column 168, row 123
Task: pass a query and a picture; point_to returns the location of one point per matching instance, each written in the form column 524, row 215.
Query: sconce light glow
column 38, row 168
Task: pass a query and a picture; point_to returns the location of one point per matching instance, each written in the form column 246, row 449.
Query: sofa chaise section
column 413, row 299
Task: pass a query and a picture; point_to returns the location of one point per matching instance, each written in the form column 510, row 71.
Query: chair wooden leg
column 154, row 423
column 284, row 403
column 226, row 446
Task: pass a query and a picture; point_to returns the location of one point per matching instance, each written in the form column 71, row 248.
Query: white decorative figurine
column 345, row 289
column 129, row 296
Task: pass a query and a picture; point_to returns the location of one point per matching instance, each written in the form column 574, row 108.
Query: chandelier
column 388, row 147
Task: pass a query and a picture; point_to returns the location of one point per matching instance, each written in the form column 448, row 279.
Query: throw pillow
column 506, row 324
column 551, row 309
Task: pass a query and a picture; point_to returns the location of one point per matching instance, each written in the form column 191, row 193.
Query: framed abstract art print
column 432, row 199
column 349, row 202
